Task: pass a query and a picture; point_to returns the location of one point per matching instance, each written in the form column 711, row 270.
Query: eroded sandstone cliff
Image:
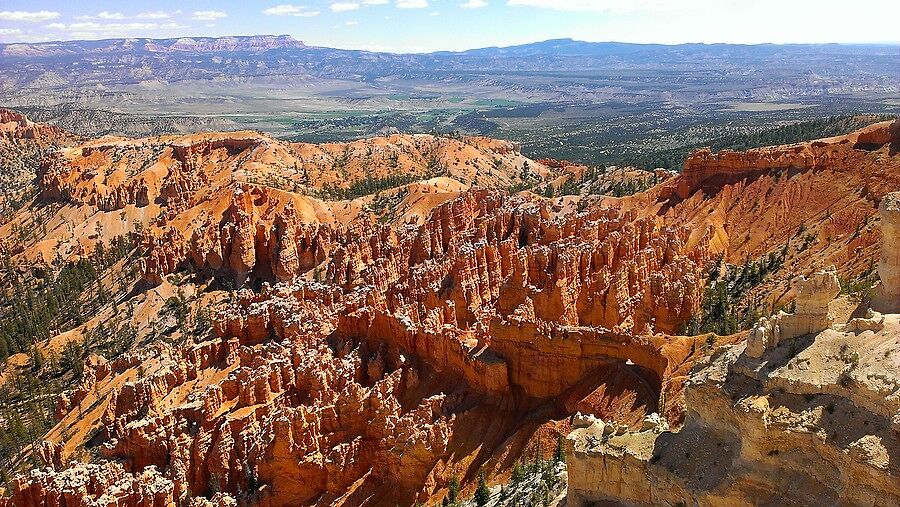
column 364, row 351
column 812, row 204
column 808, row 414
column 364, row 383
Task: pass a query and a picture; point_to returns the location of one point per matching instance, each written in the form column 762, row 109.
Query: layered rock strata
column 361, row 381
column 371, row 362
column 310, row 397
column 888, row 296
column 14, row 125
column 483, row 253
column 807, row 205
column 789, row 415
column 704, row 168
column 819, row 427
column 811, row 314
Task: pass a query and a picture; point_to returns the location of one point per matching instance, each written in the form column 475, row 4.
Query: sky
column 432, row 25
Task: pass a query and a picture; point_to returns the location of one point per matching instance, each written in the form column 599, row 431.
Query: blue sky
column 429, row 25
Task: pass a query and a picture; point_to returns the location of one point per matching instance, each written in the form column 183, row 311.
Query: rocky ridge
column 23, row 144
column 807, row 414
column 372, row 355
column 360, row 356
column 813, row 204
column 704, row 169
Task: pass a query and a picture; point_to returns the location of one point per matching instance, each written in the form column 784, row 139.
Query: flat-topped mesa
column 888, row 296
column 811, row 316
column 704, row 167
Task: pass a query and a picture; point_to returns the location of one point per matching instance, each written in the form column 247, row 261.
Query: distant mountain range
column 252, row 43
column 113, row 60
column 559, row 47
column 597, row 102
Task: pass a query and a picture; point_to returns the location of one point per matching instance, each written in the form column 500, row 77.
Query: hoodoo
column 250, row 321
column 801, row 400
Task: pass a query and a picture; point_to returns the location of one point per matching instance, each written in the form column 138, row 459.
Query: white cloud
column 10, row 31
column 153, row 15
column 412, row 4
column 283, row 10
column 111, row 15
column 351, row 23
column 209, row 15
column 110, row 27
column 290, row 10
column 344, row 6
column 596, row 5
column 93, row 29
column 106, row 15
column 29, row 16
column 474, row 4
column 376, row 2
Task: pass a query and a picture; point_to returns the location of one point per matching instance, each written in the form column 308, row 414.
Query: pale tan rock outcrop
column 809, row 421
column 811, row 314
column 873, row 321
column 888, row 297
column 812, row 425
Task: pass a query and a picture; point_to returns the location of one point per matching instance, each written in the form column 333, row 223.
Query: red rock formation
column 481, row 252
column 360, row 376
column 556, row 164
column 367, row 384
column 107, row 485
column 706, row 169
column 14, row 125
column 812, row 205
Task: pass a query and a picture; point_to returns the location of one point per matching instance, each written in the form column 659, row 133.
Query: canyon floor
column 226, row 318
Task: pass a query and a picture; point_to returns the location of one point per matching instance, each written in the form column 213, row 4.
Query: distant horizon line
column 561, row 39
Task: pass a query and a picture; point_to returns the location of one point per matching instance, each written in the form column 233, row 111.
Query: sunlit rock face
column 888, row 297
column 802, row 411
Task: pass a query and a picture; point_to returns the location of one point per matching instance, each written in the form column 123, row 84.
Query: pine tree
column 517, row 473
column 544, row 494
column 37, row 359
column 559, row 454
column 482, row 493
column 453, row 490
